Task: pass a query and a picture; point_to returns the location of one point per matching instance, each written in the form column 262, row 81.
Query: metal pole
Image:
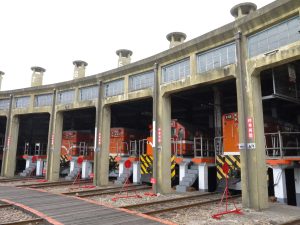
column 154, row 127
column 7, row 129
column 243, row 113
column 50, row 135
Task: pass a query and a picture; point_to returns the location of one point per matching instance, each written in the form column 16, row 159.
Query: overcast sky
column 53, row 33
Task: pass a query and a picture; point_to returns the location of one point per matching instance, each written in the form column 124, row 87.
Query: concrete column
column 136, row 167
column 203, row 177
column 50, row 140
column 86, row 169
column 164, row 148
column 103, row 173
column 122, row 166
column 280, row 184
column 39, row 167
column 297, row 185
column 183, row 168
column 253, row 159
column 53, row 164
column 12, row 143
column 98, row 136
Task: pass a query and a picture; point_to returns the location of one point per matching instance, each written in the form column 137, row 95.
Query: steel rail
column 108, row 192
column 26, row 222
column 55, row 183
column 188, row 205
column 167, row 200
column 5, row 180
column 97, row 190
column 292, row 222
column 5, row 205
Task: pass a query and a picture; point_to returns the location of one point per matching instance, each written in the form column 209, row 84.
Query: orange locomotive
column 77, row 143
column 181, row 144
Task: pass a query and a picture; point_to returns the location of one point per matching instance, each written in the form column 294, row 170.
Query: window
column 4, row 103
column 114, row 88
column 141, row 81
column 176, row 71
column 216, row 58
column 65, row 97
column 88, row 93
column 43, row 100
column 274, row 37
column 22, row 102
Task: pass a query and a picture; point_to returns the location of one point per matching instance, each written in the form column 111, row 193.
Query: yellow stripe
column 173, row 166
column 228, row 162
column 173, row 173
column 220, row 161
column 144, row 162
column 219, row 176
column 148, row 160
column 143, row 170
column 220, row 170
column 238, row 163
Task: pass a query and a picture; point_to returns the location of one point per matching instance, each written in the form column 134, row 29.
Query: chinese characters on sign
column 250, row 128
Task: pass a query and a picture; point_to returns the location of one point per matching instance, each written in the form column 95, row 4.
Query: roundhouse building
column 246, row 73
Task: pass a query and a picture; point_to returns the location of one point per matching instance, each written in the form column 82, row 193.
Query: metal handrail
column 203, row 146
column 282, row 144
column 133, row 147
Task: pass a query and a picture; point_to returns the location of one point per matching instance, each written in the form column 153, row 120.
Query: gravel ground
column 10, row 214
column 107, row 199
column 192, row 216
column 275, row 215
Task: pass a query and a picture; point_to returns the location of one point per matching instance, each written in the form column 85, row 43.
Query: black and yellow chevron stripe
column 147, row 165
column 232, row 160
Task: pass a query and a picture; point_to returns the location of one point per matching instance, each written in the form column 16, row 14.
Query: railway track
column 6, row 180
column 107, row 191
column 54, row 184
column 293, row 222
column 167, row 205
column 32, row 221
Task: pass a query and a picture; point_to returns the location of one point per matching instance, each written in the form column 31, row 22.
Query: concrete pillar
column 1, row 77
column 86, row 169
column 253, row 158
column 53, row 164
column 37, row 76
column 164, row 148
column 136, row 167
column 122, row 168
column 203, row 177
column 103, row 167
column 39, row 167
column 297, row 185
column 98, row 136
column 183, row 168
column 79, row 69
column 280, row 184
column 12, row 143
